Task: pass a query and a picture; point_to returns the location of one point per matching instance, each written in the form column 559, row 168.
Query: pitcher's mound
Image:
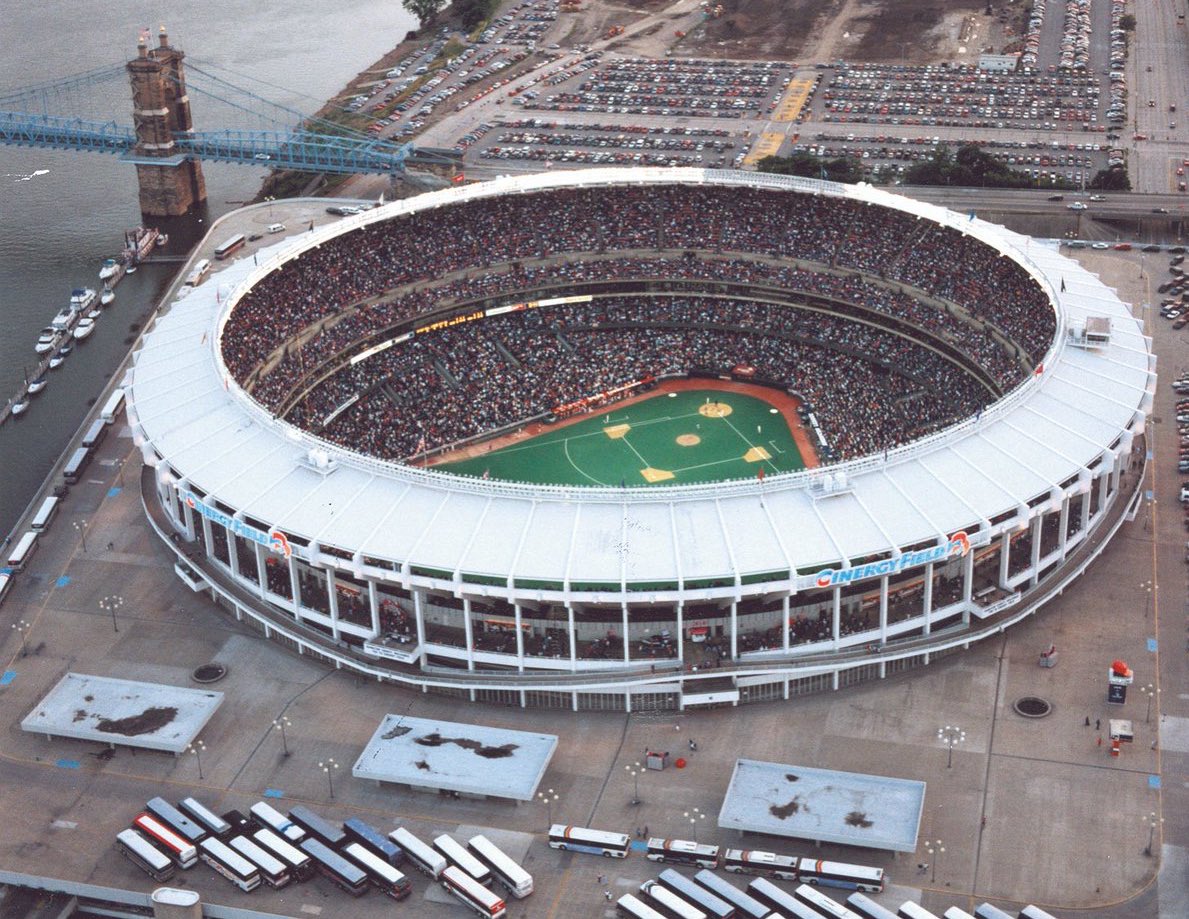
column 714, row 409
column 688, row 440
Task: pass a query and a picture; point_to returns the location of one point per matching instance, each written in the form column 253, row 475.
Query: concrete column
column 734, row 630
column 680, row 636
column 1102, row 495
column 784, row 634
column 332, row 601
column 1004, row 559
column 836, row 624
column 967, row 585
column 419, row 616
column 1086, row 510
column 927, row 599
column 573, row 647
column 373, row 607
column 468, row 629
column 1037, row 525
column 232, row 553
column 627, row 656
column 206, row 535
column 187, row 520
column 261, row 569
column 883, row 610
column 1063, row 527
column 519, row 645
column 295, row 587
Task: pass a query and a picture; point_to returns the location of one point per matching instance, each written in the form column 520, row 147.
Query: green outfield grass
column 670, row 439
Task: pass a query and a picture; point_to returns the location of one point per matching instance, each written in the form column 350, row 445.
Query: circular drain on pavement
column 209, row 673
column 1032, row 707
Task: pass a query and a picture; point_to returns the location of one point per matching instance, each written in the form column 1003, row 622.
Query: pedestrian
column 677, row 728
column 1098, row 724
column 602, row 880
column 646, row 831
column 607, row 894
column 1087, row 721
column 1153, row 745
column 984, row 821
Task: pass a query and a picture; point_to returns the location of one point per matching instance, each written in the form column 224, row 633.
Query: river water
column 62, row 213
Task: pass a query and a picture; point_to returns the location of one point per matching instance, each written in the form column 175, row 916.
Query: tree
column 424, row 10
column 842, row 169
column 1113, row 179
column 1127, row 22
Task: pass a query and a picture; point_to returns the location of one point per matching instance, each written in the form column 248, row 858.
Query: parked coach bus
column 229, row 863
column 668, row 903
column 46, row 513
column 144, row 855
column 274, row 871
column 910, row 910
column 823, row 904
column 682, row 852
column 423, row 857
column 699, row 896
column 270, row 819
column 635, row 908
column 182, row 853
column 785, row 904
column 746, row 906
column 987, row 911
column 868, row 908
column 301, row 866
column 840, row 874
column 205, row 817
column 374, row 841
column 176, row 820
column 955, row 913
column 231, row 246
column 317, row 827
column 764, row 864
column 517, row 881
column 457, row 855
column 594, row 842
column 473, row 894
column 25, row 547
column 382, row 875
column 347, row 875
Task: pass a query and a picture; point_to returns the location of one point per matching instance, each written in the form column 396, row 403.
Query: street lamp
column 1152, row 821
column 329, row 768
column 547, row 797
column 693, row 815
column 1147, row 587
column 634, row 771
column 280, row 724
column 196, row 748
column 22, row 627
column 935, row 850
column 1150, row 692
column 110, row 605
column 950, row 735
column 81, row 526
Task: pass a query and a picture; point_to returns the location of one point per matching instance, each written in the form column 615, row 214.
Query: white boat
column 57, row 360
column 47, row 340
column 37, row 384
column 85, row 327
column 131, row 270
column 107, row 296
column 64, row 320
column 110, row 267
column 66, row 348
column 162, row 239
column 94, row 313
column 81, row 298
column 19, row 407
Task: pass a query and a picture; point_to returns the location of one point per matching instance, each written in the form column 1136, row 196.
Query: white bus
column 144, row 855
column 95, row 433
column 517, row 881
column 301, row 866
column 668, row 903
column 229, row 863
column 5, row 583
column 682, row 852
column 457, row 855
column 274, row 871
column 46, row 513
column 955, row 913
column 423, row 857
column 987, row 911
column 347, row 875
column 785, row 904
column 23, row 551
column 840, row 874
column 382, row 875
column 201, row 269
column 205, row 817
column 473, row 894
column 594, row 842
column 631, row 906
column 183, row 853
column 868, row 908
column 1034, row 912
column 910, row 910
column 374, row 841
column 176, row 820
column 693, row 893
column 823, row 904
column 764, row 864
column 73, row 470
column 746, row 906
column 113, row 406
column 270, row 819
column 317, row 826
column 230, row 246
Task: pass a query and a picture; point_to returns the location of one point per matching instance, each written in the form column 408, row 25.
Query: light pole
column 81, row 526
column 693, row 815
column 280, row 724
column 634, row 771
column 1147, row 587
column 196, row 748
column 935, row 850
column 547, row 797
column 1150, row 692
column 110, row 605
column 950, row 735
column 1152, row 821
column 22, row 628
column 329, row 768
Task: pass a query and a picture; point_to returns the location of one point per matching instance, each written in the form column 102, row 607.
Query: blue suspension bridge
column 62, row 115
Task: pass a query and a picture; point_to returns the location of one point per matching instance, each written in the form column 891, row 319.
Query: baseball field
column 674, row 438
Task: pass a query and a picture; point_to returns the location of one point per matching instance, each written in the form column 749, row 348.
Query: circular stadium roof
column 1034, row 444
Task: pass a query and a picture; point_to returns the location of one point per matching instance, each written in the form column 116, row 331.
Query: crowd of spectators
column 353, row 289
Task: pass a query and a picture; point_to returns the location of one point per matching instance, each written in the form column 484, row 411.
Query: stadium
column 641, row 439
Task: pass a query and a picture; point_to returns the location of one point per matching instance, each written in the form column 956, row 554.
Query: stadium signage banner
column 958, row 545
column 449, row 323
column 273, row 540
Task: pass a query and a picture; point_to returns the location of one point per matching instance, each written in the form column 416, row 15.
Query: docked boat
column 85, row 327
column 57, row 360
column 19, row 407
column 37, row 384
column 139, row 243
column 131, row 270
column 110, row 267
column 81, row 298
column 47, row 340
column 107, row 296
column 162, row 239
column 94, row 313
column 64, row 320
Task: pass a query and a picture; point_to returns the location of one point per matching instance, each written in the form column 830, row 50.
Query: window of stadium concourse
column 246, row 556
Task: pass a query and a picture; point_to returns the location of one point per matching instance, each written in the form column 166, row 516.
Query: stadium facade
column 610, row 597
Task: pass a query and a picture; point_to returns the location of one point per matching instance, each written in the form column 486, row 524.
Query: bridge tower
column 170, row 183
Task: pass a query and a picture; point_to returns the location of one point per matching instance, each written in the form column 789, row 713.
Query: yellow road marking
column 794, row 100
column 767, row 145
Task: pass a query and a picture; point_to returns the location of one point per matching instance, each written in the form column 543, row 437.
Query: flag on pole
column 760, row 473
